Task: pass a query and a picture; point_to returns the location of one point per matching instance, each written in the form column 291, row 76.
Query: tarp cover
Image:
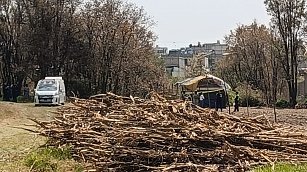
column 193, row 83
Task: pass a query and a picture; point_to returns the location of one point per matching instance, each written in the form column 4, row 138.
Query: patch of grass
column 282, row 167
column 47, row 159
column 78, row 168
column 22, row 99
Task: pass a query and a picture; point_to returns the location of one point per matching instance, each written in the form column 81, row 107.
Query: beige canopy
column 208, row 81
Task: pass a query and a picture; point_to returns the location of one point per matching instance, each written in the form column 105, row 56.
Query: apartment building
column 161, row 51
column 178, row 60
column 214, row 51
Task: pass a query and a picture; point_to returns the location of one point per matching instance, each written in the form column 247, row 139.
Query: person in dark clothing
column 4, row 92
column 237, row 102
column 14, row 93
column 182, row 95
column 26, row 92
column 9, row 92
column 218, row 101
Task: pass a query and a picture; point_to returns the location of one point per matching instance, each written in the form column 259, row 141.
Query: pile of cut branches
column 118, row 133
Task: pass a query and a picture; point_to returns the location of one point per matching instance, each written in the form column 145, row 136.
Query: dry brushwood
column 115, row 133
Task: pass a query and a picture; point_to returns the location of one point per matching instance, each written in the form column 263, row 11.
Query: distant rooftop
column 205, row 44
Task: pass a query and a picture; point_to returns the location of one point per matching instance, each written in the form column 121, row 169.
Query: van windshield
column 47, row 85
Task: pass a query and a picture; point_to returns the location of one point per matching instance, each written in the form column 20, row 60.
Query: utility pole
column 227, row 95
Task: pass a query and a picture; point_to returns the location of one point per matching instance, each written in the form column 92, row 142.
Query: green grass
column 283, row 167
column 78, row 168
column 50, row 159
column 22, row 99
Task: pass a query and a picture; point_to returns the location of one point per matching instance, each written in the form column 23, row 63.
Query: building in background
column 161, row 51
column 215, row 51
column 178, row 60
column 175, row 66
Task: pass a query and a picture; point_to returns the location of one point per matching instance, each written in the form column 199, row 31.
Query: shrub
column 44, row 159
column 249, row 94
column 301, row 100
column 22, row 99
column 282, row 103
column 252, row 101
column 231, row 97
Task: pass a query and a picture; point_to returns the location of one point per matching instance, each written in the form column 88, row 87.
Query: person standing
column 183, row 95
column 14, row 93
column 10, row 92
column 237, row 102
column 26, row 92
column 218, row 101
column 201, row 100
column 1, row 95
column 6, row 96
column 4, row 92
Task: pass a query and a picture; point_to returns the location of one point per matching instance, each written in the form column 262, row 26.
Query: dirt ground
column 15, row 143
column 292, row 117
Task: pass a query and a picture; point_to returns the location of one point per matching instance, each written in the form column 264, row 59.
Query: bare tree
column 251, row 58
column 196, row 66
column 288, row 16
column 99, row 46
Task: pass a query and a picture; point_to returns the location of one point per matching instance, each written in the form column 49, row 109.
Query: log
column 116, row 133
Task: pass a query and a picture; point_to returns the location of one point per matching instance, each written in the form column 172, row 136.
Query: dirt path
column 292, row 117
column 15, row 143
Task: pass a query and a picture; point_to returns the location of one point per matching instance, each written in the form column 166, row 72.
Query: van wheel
column 62, row 103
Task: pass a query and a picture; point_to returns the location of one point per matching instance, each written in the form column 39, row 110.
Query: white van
column 50, row 91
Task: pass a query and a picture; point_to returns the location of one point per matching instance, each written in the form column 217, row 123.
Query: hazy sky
column 181, row 22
